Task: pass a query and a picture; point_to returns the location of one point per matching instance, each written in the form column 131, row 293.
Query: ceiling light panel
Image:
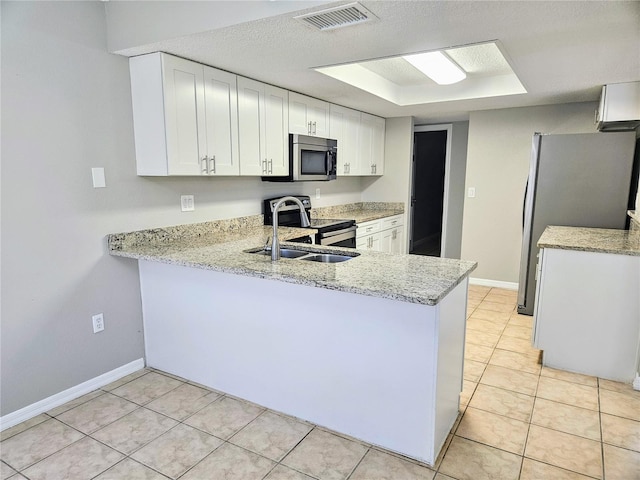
column 437, row 66
column 395, row 80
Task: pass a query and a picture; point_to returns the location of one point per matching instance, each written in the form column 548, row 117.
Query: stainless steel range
column 334, row 232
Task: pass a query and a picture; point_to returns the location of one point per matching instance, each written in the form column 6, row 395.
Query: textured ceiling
column 561, row 51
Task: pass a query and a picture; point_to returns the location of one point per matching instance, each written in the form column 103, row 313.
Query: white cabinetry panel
column 185, row 117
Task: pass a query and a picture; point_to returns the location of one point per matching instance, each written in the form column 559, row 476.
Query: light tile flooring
column 518, row 421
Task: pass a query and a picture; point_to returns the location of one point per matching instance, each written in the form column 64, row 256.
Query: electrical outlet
column 317, row 193
column 187, row 203
column 98, row 323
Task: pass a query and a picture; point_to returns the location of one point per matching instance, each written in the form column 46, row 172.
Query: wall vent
column 338, row 17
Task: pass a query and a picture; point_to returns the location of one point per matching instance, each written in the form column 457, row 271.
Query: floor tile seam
column 562, row 468
column 556, row 429
column 568, row 381
column 567, row 404
column 103, row 388
column 148, row 401
column 379, row 449
column 218, row 399
column 147, row 406
column 195, row 464
column 28, row 428
column 78, row 405
column 635, row 394
column 357, row 464
column 264, row 410
column 140, row 447
column 559, row 467
column 619, row 416
column 501, row 414
column 128, row 457
column 521, row 455
column 46, row 457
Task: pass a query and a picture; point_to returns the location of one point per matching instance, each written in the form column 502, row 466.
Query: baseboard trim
column 69, row 394
column 493, row 283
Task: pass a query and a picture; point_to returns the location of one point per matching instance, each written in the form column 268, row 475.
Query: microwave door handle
column 328, row 157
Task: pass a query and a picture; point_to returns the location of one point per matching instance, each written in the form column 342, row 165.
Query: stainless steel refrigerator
column 577, row 180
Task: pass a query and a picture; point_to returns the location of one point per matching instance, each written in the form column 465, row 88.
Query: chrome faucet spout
column 304, row 221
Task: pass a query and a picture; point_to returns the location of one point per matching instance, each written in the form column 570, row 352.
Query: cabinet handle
column 394, row 234
column 204, row 165
column 271, row 165
column 348, row 167
column 309, row 128
column 264, row 166
column 212, row 164
column 595, row 120
column 314, row 128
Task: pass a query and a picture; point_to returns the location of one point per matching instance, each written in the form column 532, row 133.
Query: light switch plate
column 187, row 203
column 471, row 192
column 97, row 175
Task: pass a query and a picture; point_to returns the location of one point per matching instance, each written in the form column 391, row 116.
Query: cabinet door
column 371, row 144
column 397, row 240
column 221, row 113
column 344, row 124
column 319, row 117
column 379, row 125
column 251, row 127
column 277, row 130
column 308, row 116
column 386, row 241
column 184, row 116
column 298, row 113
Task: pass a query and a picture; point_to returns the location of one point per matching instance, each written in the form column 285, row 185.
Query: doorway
column 431, row 159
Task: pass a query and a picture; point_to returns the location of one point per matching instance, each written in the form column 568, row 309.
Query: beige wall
column 497, row 166
column 66, row 108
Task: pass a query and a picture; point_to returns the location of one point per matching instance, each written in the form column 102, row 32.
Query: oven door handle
column 333, row 233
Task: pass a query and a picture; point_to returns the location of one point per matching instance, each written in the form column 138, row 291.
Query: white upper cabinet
column 308, row 116
column 185, row 117
column 370, row 145
column 221, row 119
column 344, row 126
column 263, row 125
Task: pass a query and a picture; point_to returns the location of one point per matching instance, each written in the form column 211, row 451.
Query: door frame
column 445, row 195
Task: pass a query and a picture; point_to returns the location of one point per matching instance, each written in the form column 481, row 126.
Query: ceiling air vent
column 338, row 17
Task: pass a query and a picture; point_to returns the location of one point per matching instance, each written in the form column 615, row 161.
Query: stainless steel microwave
column 310, row 159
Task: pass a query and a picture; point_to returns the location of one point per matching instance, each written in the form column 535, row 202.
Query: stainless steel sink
column 285, row 253
column 327, row 258
column 312, row 256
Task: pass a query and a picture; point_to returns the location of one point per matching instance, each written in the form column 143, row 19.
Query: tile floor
column 518, row 421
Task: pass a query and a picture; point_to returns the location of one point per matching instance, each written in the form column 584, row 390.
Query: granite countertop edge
column 407, row 278
column 597, row 240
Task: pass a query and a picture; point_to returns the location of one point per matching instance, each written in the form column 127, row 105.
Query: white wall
column 66, row 107
column 497, row 166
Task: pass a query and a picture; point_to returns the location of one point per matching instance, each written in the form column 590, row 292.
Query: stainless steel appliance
column 310, row 159
column 333, row 232
column 576, row 180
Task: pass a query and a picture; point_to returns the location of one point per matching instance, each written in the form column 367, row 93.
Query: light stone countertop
column 600, row 240
column 407, row 278
column 360, row 212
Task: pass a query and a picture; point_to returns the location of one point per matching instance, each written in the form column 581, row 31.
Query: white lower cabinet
column 384, row 235
column 184, row 116
column 587, row 313
column 263, row 124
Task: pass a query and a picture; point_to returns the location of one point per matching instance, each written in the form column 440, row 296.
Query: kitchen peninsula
column 587, row 315
column 371, row 347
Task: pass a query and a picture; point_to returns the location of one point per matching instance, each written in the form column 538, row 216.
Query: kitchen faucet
column 304, row 222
